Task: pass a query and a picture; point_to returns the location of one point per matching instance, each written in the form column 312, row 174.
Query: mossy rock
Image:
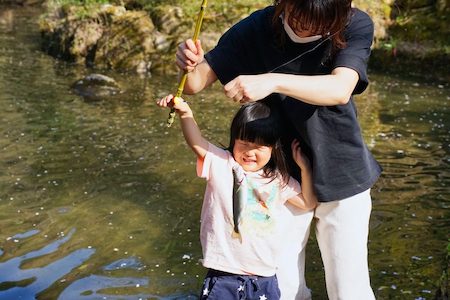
column 94, row 87
column 109, row 37
column 127, row 43
column 113, row 36
column 168, row 18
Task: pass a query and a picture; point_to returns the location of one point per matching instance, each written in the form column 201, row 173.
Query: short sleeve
column 291, row 189
column 224, row 58
column 240, row 49
column 359, row 37
column 215, row 160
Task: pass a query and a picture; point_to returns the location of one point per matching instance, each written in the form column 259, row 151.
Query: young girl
column 240, row 248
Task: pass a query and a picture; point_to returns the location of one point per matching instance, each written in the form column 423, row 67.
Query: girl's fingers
column 164, row 102
column 297, row 152
column 177, row 101
column 168, row 99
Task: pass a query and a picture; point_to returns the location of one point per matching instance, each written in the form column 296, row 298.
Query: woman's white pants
column 342, row 229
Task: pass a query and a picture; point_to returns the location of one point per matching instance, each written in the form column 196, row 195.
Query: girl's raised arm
column 191, row 132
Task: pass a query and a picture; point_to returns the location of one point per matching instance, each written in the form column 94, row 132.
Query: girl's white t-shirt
column 255, row 252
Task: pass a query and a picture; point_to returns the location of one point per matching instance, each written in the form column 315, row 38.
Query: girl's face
column 252, row 157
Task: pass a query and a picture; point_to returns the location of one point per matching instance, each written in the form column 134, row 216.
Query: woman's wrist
column 278, row 81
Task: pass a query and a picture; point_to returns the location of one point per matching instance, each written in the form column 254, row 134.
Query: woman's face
column 303, row 30
column 303, row 33
column 252, row 157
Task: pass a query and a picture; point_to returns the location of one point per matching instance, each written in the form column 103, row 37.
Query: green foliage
column 442, row 292
column 85, row 3
column 425, row 24
column 81, row 8
column 219, row 13
column 388, row 44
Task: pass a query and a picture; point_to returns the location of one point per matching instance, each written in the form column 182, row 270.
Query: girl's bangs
column 259, row 132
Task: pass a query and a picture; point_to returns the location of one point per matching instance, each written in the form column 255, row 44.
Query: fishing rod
column 183, row 78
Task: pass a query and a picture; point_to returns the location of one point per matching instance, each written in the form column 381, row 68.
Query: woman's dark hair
column 324, row 17
column 261, row 123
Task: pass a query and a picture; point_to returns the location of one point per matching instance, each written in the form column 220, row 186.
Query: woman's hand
column 249, row 88
column 299, row 157
column 189, row 55
column 180, row 106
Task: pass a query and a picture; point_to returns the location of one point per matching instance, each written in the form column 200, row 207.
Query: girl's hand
column 299, row 157
column 189, row 55
column 181, row 106
column 249, row 88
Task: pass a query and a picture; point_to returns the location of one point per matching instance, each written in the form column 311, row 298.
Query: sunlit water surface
column 99, row 200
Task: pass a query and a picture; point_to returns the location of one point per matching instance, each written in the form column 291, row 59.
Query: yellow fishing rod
column 180, row 89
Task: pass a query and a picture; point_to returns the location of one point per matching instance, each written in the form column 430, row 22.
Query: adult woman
column 314, row 55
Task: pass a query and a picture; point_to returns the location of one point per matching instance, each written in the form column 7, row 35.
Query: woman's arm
column 190, row 58
column 347, row 77
column 307, row 199
column 324, row 90
column 190, row 129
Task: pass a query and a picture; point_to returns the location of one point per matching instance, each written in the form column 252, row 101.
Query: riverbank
column 142, row 36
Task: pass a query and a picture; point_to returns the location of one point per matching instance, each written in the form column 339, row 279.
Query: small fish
column 239, row 198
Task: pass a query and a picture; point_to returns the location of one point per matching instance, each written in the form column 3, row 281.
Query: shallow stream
column 99, row 200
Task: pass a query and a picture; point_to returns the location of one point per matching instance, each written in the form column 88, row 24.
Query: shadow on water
column 26, row 283
column 18, row 283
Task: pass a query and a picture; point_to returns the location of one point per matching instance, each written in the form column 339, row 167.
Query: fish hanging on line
column 240, row 190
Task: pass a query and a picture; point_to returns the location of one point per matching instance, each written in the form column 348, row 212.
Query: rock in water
column 95, row 87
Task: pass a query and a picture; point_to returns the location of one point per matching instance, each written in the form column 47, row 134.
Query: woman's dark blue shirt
column 341, row 162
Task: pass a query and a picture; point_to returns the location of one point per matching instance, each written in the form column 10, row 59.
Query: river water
column 99, row 200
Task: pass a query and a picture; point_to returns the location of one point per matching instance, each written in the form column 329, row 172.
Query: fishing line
column 304, row 53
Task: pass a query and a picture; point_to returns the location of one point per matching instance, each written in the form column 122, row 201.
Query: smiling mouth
column 248, row 161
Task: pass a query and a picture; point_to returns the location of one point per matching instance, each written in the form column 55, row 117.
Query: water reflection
column 91, row 287
column 17, row 282
column 25, row 283
column 24, row 235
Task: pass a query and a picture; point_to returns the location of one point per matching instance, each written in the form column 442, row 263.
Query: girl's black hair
column 261, row 123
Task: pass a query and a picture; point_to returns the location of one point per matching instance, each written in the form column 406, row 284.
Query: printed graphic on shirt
column 258, row 216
